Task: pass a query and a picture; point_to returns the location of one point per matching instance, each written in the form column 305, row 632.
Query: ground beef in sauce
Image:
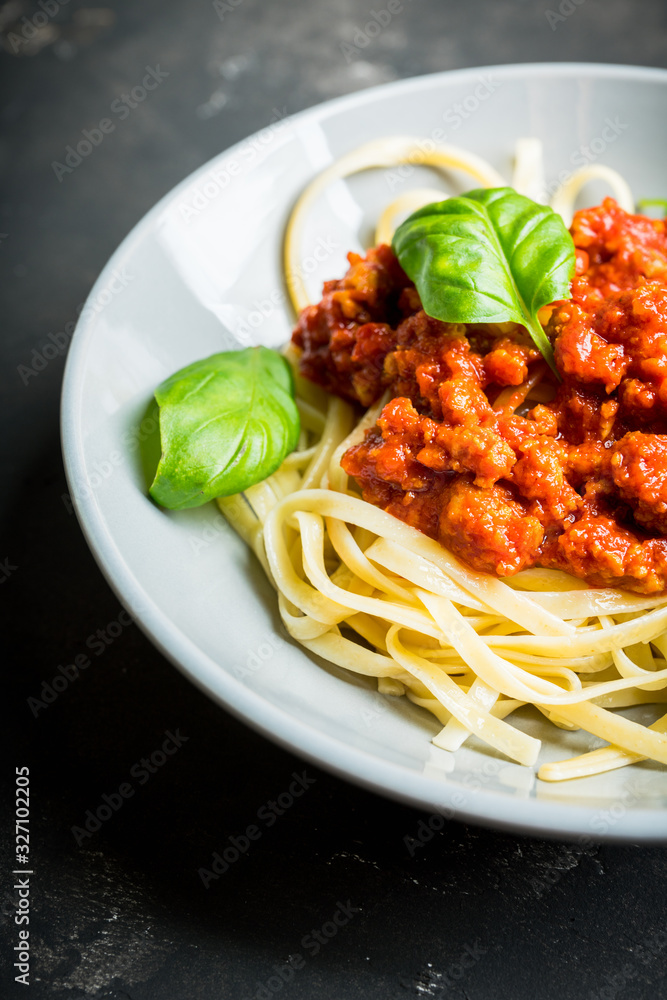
column 577, row 482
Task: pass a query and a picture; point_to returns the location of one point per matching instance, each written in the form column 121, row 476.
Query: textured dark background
column 125, row 916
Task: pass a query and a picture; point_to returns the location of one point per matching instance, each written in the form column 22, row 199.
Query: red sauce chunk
column 575, row 481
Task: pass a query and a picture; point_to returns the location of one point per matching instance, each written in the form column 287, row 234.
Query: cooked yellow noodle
column 566, row 195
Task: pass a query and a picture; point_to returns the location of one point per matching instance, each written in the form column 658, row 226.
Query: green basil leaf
column 226, row 423
column 490, row 256
column 645, row 203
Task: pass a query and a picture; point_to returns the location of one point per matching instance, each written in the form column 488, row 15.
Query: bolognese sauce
column 479, row 446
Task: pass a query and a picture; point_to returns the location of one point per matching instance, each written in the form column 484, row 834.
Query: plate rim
column 490, row 809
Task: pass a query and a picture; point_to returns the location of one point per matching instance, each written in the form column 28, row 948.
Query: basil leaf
column 490, row 256
column 226, row 423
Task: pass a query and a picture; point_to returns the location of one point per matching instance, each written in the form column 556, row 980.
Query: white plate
column 205, row 261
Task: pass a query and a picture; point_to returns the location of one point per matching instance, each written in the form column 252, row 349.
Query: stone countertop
column 333, row 899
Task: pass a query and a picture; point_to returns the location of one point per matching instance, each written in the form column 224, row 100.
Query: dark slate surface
column 124, row 915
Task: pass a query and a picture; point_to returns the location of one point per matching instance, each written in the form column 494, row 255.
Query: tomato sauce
column 574, row 479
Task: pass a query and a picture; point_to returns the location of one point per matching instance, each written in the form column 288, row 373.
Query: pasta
column 374, row 595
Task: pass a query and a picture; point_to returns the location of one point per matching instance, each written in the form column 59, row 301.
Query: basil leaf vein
column 226, row 423
column 490, row 256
